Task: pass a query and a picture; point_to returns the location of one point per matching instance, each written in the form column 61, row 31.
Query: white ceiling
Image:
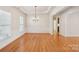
column 31, row 9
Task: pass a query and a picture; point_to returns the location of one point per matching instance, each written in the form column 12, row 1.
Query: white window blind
column 5, row 24
column 21, row 27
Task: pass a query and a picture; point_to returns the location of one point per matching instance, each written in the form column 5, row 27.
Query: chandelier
column 35, row 18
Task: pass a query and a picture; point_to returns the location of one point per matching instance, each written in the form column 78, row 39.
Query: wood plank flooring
column 44, row 42
column 39, row 43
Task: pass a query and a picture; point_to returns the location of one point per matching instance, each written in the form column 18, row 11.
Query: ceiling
column 31, row 9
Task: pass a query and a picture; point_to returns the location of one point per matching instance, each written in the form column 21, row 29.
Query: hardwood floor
column 38, row 43
column 43, row 42
column 70, row 43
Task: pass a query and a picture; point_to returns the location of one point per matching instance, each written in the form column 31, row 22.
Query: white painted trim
column 45, row 12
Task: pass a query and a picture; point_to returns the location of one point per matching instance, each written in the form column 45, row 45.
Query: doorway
column 56, row 24
column 56, row 28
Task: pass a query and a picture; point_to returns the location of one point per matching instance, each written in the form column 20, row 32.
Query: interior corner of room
column 39, row 23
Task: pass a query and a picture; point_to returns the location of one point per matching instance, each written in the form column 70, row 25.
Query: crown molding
column 26, row 12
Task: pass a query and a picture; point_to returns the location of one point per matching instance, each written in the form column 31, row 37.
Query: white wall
column 69, row 22
column 42, row 26
column 15, row 14
column 53, row 12
column 51, row 25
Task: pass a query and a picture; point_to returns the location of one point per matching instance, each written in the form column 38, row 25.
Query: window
column 5, row 25
column 21, row 28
